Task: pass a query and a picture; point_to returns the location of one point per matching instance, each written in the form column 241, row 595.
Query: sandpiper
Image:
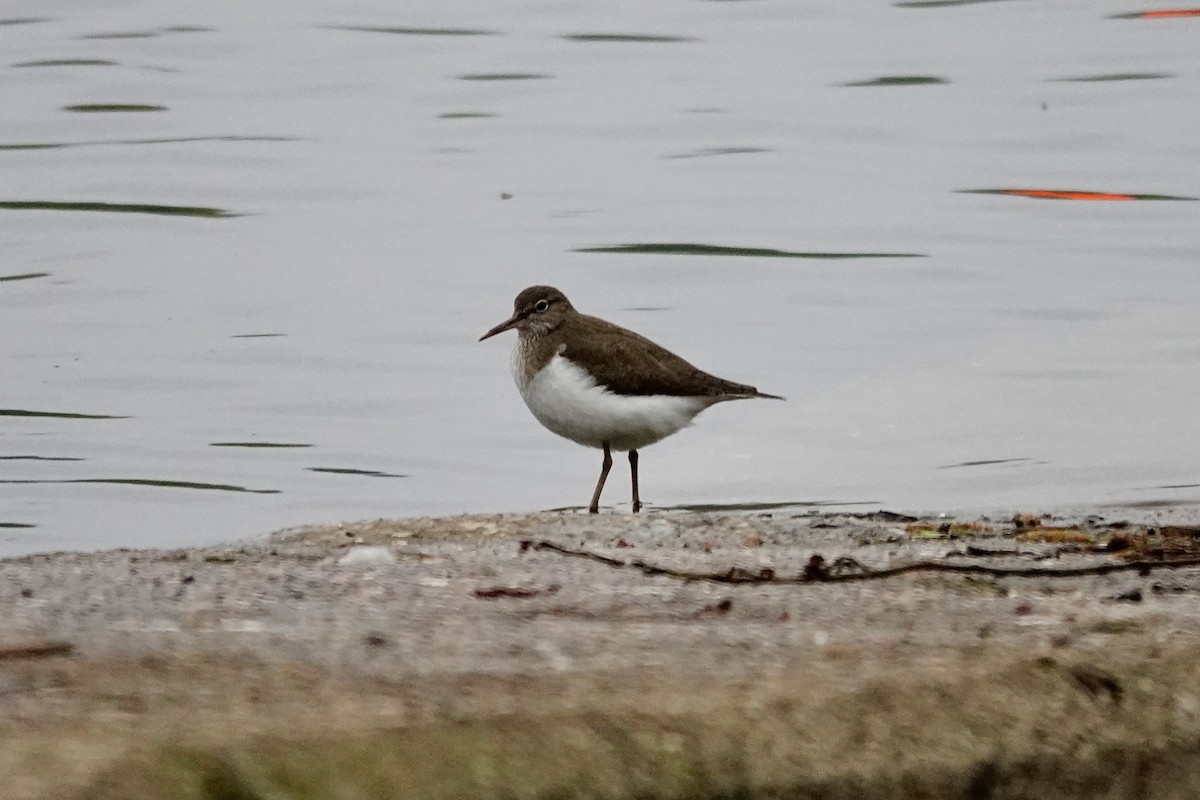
column 601, row 385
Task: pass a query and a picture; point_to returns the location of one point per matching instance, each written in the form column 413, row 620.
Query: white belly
column 567, row 401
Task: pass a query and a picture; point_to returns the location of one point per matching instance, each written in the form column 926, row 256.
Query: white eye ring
column 541, row 305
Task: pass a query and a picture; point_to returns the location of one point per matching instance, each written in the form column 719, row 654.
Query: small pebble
column 367, row 554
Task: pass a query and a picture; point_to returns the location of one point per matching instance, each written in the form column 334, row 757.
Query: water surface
column 247, row 255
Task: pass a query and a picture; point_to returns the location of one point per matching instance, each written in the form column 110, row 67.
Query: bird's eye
column 541, row 305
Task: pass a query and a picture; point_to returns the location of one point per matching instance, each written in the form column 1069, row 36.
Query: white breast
column 565, row 399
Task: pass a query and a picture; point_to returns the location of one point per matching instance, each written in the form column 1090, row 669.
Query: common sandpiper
column 601, row 385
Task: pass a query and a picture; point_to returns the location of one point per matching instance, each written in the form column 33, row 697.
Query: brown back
column 627, row 363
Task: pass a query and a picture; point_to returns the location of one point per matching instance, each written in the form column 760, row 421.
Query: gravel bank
column 542, row 655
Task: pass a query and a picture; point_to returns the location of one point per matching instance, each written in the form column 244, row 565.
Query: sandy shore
column 561, row 655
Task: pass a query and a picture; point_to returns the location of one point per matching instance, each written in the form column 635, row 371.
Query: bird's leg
column 605, row 466
column 637, row 501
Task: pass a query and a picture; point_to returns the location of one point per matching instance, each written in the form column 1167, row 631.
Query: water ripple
column 171, row 140
column 259, row 444
column 22, row 412
column 686, row 249
column 370, row 473
column 625, row 37
column 67, row 62
column 117, row 208
column 113, row 108
column 152, row 482
column 412, row 31
column 1074, row 194
column 899, row 80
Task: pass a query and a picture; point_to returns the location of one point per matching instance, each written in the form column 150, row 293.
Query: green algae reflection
column 688, row 249
column 116, row 208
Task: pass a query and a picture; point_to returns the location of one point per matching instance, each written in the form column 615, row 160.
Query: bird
column 604, row 386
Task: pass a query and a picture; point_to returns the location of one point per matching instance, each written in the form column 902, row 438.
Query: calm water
column 245, row 255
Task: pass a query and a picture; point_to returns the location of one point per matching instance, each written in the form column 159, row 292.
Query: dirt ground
column 662, row 655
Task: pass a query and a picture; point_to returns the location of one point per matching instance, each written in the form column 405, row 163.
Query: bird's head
column 537, row 310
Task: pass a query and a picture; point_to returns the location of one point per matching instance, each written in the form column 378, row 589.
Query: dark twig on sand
column 40, row 648
column 520, row 592
column 845, row 569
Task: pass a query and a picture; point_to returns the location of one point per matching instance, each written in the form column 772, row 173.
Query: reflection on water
column 23, row 412
column 986, row 462
column 116, row 208
column 764, row 505
column 503, row 76
column 1119, row 76
column 940, row 3
column 260, row 444
column 122, row 142
column 387, row 178
column 1073, row 194
column 899, row 80
column 684, row 249
column 625, row 37
column 112, row 108
column 67, row 62
column 1164, row 13
column 412, row 31
column 370, row 473
column 153, row 482
column 720, row 151
column 149, row 34
column 40, row 458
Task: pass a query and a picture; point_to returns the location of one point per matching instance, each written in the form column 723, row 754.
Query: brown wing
column 627, row 363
